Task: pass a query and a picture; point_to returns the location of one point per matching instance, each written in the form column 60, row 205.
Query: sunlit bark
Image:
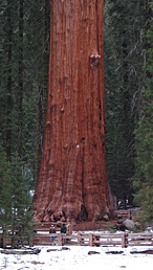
column 73, row 180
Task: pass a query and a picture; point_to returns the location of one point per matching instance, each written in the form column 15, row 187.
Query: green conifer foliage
column 15, row 199
column 22, row 53
column 42, row 90
column 21, row 74
column 6, row 190
column 125, row 26
column 143, row 180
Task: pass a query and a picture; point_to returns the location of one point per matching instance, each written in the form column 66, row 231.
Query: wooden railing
column 140, row 239
column 86, row 239
column 109, row 239
column 123, row 214
column 45, row 226
column 97, row 239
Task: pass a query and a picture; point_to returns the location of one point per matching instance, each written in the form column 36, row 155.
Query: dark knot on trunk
column 94, row 59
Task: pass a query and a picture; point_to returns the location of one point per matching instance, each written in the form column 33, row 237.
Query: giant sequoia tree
column 73, row 182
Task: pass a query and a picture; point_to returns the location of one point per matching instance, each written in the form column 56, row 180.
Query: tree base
column 69, row 212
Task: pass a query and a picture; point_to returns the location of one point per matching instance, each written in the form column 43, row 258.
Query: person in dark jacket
column 63, row 229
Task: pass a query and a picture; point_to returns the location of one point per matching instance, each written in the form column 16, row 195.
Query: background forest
column 24, row 58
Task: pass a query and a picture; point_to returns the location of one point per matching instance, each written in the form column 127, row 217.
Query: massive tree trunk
column 73, row 181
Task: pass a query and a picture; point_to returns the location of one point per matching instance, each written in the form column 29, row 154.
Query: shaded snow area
column 76, row 257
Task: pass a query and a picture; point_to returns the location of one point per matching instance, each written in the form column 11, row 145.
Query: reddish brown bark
column 73, row 181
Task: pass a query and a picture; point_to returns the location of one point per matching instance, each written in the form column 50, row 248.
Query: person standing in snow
column 52, row 230
column 64, row 230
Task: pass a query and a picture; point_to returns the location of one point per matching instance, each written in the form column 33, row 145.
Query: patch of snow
column 77, row 258
column 32, row 192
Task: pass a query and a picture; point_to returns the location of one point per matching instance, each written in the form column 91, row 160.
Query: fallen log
column 93, row 252
column 65, row 248
column 54, row 249
column 114, row 252
column 20, row 252
column 148, row 251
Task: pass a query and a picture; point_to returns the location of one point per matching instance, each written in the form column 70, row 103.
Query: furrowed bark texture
column 73, row 181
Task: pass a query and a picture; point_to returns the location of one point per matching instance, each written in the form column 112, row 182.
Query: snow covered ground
column 77, row 258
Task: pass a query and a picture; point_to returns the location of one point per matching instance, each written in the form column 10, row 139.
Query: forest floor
column 92, row 226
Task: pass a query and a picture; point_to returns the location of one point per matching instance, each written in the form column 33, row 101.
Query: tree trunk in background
column 42, row 94
column 9, row 81
column 20, row 81
column 40, row 132
column 73, row 181
column 46, row 57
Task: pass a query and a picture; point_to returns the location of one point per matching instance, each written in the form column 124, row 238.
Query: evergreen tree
column 125, row 27
column 21, row 75
column 15, row 199
column 6, row 190
column 143, row 179
column 42, row 91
